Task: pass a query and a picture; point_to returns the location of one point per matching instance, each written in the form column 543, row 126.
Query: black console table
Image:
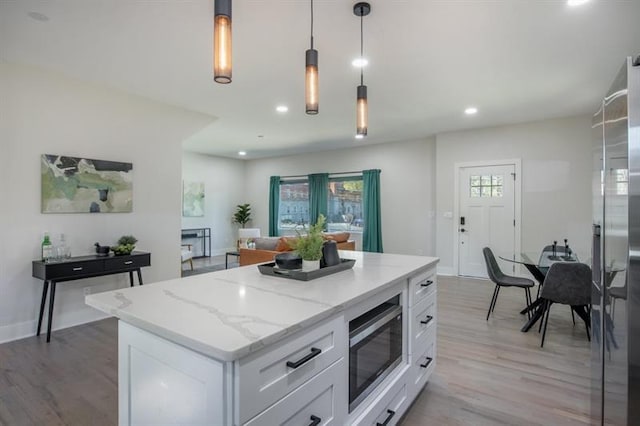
column 80, row 267
column 202, row 234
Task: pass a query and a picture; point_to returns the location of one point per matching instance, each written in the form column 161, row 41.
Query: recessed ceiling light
column 359, row 136
column 471, row 111
column 282, row 108
column 38, row 16
column 576, row 2
column 242, row 153
column 360, row 62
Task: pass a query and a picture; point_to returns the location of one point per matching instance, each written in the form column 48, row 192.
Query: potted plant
column 242, row 214
column 309, row 246
column 126, row 244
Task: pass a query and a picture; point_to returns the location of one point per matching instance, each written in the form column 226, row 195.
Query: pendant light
column 222, row 41
column 361, row 9
column 311, row 75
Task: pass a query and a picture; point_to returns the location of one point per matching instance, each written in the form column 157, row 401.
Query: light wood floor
column 488, row 373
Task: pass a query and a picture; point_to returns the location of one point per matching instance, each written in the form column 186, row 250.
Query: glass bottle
column 47, row 249
column 64, row 251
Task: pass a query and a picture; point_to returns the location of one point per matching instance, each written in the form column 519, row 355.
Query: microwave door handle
column 370, row 329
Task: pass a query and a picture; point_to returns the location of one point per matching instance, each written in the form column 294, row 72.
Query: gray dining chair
column 568, row 283
column 502, row 280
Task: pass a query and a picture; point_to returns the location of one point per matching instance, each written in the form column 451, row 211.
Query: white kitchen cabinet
column 268, row 375
column 321, row 401
column 238, row 348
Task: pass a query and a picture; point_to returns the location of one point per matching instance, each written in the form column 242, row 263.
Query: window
column 294, row 205
column 344, row 206
column 485, row 186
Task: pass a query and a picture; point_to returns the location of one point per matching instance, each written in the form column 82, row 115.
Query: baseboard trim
column 22, row 330
column 445, row 270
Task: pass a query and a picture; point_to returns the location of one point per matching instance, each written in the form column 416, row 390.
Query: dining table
column 538, row 265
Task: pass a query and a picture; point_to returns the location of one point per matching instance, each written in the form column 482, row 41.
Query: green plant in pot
column 126, row 244
column 309, row 246
column 242, row 214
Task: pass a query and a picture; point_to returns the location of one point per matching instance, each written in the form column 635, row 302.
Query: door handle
column 427, row 320
column 462, row 230
column 295, row 364
column 315, row 420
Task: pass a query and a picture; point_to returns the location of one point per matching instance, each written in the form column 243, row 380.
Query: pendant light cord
column 361, row 47
column 312, row 24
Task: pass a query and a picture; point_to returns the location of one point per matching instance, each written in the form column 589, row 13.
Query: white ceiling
column 515, row 60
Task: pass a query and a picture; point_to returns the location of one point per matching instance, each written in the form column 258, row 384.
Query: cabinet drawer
column 390, row 407
column 423, row 318
column 267, row 376
column 118, row 263
column 422, row 365
column 320, row 401
column 68, row 270
column 422, row 285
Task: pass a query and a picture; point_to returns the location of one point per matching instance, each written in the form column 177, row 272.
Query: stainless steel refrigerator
column 615, row 345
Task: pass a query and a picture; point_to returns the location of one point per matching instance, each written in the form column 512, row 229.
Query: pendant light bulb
column 362, row 111
column 361, row 10
column 311, row 82
column 311, row 91
column 222, row 42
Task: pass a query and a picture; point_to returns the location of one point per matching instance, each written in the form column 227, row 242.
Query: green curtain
column 274, row 203
column 372, row 234
column 318, row 195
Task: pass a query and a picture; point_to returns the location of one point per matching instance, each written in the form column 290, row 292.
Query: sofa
column 267, row 248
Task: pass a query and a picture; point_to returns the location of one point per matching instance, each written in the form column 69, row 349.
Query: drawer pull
column 426, row 364
column 79, row 268
column 314, row 353
column 426, row 283
column 128, row 262
column 427, row 320
column 388, row 419
column 315, row 420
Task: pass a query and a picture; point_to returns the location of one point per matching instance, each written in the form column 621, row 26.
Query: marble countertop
column 229, row 314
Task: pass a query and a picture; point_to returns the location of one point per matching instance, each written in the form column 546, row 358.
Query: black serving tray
column 270, row 269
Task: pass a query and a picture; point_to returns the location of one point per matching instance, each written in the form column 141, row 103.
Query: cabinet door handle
column 388, row 419
column 128, row 262
column 426, row 283
column 314, row 353
column 79, row 268
column 426, row 364
column 315, row 420
column 426, row 320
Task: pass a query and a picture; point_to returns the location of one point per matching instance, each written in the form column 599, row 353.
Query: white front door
column 486, row 216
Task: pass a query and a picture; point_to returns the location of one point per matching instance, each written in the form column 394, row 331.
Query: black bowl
column 102, row 250
column 288, row 260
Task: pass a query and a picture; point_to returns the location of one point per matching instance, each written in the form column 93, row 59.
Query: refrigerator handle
column 596, row 261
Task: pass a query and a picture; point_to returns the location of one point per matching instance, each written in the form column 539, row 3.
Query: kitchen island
column 236, row 347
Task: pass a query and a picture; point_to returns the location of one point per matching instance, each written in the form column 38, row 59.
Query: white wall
column 223, row 185
column 556, row 180
column 41, row 112
column 407, row 187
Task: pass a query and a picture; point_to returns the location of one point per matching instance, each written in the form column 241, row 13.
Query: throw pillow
column 283, row 244
column 266, row 243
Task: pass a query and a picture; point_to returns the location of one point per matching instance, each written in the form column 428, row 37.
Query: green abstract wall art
column 193, row 199
column 83, row 185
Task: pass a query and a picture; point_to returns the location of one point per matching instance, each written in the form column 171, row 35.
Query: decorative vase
column 330, row 256
column 310, row 265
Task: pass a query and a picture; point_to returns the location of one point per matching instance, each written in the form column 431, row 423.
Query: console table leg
column 139, row 277
column 131, row 278
column 45, row 288
column 52, row 297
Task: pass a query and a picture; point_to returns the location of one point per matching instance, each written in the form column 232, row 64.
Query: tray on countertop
column 274, row 271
